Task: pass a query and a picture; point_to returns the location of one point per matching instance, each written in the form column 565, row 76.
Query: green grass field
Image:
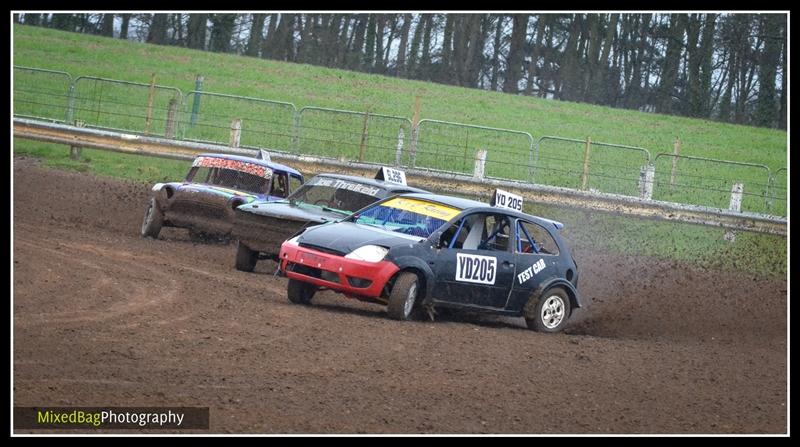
column 440, row 146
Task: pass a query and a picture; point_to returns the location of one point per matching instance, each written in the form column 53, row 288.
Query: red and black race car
column 424, row 251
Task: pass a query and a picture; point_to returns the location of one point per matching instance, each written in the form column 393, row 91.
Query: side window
column 279, row 184
column 533, row 238
column 455, row 236
column 295, row 183
column 498, row 233
column 487, row 232
column 198, row 175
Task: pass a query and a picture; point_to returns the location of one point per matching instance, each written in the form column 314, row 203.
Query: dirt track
column 103, row 317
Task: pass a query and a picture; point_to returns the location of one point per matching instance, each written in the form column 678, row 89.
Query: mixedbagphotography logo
column 137, row 418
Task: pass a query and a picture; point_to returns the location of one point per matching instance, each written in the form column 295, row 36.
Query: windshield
column 408, row 216
column 229, row 178
column 342, row 196
column 228, row 173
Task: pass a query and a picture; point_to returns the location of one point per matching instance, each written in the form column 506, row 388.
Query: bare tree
column 515, row 55
column 221, row 32
column 498, row 36
column 400, row 65
column 767, row 105
column 107, row 27
column 196, row 32
column 256, row 34
column 123, row 30
column 157, row 32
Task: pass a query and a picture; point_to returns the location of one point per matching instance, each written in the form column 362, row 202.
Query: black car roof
column 388, row 186
column 474, row 205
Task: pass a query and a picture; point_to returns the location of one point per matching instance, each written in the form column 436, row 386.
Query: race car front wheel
column 551, row 311
column 245, row 258
column 153, row 220
column 403, row 296
column 300, row 292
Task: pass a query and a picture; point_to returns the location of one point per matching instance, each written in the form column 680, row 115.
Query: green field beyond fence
column 148, row 89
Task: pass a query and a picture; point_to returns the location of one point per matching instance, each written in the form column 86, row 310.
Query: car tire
column 245, row 258
column 548, row 312
column 403, row 296
column 300, row 292
column 153, row 220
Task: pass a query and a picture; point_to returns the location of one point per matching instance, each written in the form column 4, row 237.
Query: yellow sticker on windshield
column 422, row 207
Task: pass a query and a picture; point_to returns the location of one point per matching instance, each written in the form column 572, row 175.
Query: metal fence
column 777, row 196
column 450, row 147
column 710, row 182
column 149, row 109
column 434, row 145
column 208, row 117
column 590, row 165
column 41, row 93
column 344, row 134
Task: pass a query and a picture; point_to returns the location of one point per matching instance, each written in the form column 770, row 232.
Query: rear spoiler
column 555, row 223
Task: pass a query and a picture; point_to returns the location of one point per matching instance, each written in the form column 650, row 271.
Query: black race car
column 260, row 228
column 424, row 251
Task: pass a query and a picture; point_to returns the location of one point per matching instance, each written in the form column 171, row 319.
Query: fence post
column 70, row 103
column 198, row 86
column 736, row 197
column 646, row 176
column 399, row 153
column 296, row 130
column 585, row 176
column 676, row 150
column 364, row 137
column 150, row 95
column 412, row 147
column 236, row 132
column 75, row 151
column 480, row 164
column 171, row 112
column 530, row 162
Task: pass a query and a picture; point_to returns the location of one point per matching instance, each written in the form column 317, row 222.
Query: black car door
column 476, row 267
column 536, row 256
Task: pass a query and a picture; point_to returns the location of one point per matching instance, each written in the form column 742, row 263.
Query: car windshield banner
column 344, row 184
column 431, row 209
column 236, row 165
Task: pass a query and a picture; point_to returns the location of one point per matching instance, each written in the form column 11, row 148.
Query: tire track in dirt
column 126, row 284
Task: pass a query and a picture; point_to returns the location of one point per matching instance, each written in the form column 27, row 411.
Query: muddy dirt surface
column 103, row 317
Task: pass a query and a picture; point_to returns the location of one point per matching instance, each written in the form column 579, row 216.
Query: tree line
column 725, row 67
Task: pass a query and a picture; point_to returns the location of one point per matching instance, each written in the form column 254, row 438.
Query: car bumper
column 349, row 276
column 264, row 233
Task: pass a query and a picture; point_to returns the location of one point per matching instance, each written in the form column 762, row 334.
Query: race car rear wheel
column 245, row 258
column 153, row 220
column 550, row 312
column 300, row 292
column 403, row 296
